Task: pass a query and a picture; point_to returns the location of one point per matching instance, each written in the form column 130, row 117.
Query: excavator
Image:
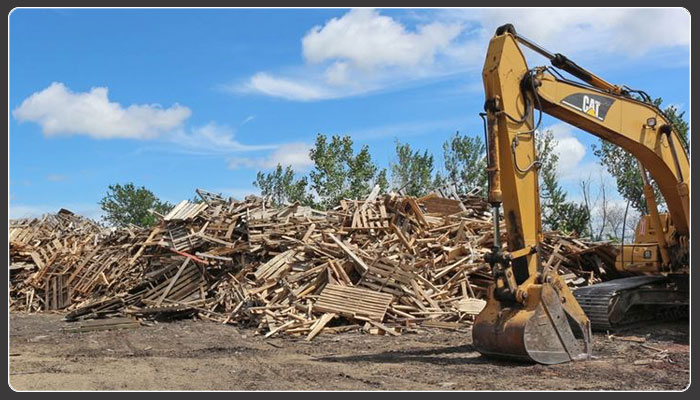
column 530, row 313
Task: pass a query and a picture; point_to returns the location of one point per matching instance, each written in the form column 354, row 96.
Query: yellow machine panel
column 642, row 257
column 645, row 232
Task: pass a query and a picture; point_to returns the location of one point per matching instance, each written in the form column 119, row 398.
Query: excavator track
column 623, row 302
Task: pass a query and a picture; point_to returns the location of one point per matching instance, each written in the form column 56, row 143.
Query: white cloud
column 337, row 74
column 574, row 167
column 60, row 111
column 211, row 139
column 294, row 154
column 364, row 51
column 569, row 149
column 632, row 32
column 360, row 52
column 248, row 119
column 585, row 170
column 285, row 88
column 368, row 40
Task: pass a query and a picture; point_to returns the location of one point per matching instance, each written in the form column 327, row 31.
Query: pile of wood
column 580, row 263
column 49, row 255
column 383, row 264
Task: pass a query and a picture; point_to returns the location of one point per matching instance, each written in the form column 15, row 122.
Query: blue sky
column 186, row 98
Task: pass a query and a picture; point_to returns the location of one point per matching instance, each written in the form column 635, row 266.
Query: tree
column 127, row 204
column 616, row 217
column 465, row 162
column 440, row 181
column 329, row 176
column 361, row 172
column 573, row 217
column 599, row 208
column 625, row 169
column 607, row 216
column 413, row 172
column 339, row 173
column 557, row 213
column 678, row 121
column 281, row 187
column 382, row 181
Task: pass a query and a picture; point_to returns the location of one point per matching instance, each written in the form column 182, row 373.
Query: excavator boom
column 531, row 314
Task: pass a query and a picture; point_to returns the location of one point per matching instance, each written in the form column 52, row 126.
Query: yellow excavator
column 530, row 312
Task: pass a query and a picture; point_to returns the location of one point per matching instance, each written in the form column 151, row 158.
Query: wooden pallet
column 353, row 302
column 57, row 292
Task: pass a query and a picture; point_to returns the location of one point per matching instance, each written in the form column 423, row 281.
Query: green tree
column 625, row 169
column 678, row 121
column 413, row 171
column 281, row 186
column 465, row 162
column 382, row 181
column 362, row 172
column 339, row 173
column 439, row 181
column 127, row 204
column 574, row 217
column 557, row 213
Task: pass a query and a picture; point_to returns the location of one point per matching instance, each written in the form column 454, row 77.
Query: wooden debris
column 635, row 339
column 442, row 324
column 384, row 262
column 471, row 306
column 103, row 324
column 354, row 302
column 319, row 325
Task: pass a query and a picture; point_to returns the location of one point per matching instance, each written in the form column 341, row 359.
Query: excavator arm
column 531, row 314
column 635, row 126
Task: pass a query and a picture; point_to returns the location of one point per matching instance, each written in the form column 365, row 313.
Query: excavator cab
column 530, row 312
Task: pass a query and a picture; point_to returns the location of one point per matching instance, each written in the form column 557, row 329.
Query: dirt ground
column 199, row 355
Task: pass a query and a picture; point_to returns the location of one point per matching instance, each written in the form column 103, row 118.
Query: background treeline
column 342, row 171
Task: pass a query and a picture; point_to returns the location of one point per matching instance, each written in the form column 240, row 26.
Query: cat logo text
column 589, row 104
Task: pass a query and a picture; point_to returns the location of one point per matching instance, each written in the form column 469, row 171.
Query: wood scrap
column 386, row 260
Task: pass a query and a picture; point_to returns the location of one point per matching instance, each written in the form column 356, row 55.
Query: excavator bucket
column 540, row 330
